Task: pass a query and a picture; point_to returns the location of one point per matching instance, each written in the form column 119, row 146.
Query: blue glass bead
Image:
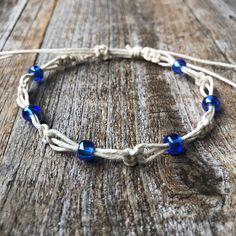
column 209, row 101
column 37, row 72
column 175, row 142
column 177, row 66
column 30, row 110
column 86, row 150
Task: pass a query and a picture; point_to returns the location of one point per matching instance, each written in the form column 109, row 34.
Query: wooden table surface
column 117, row 104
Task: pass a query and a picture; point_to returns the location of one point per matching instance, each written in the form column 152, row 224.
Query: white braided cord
column 141, row 153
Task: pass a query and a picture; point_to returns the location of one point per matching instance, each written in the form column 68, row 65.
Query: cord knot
column 134, row 156
column 134, row 51
column 101, row 51
column 150, row 54
column 44, row 133
column 201, row 80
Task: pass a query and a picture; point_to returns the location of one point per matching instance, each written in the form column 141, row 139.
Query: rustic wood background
column 117, row 104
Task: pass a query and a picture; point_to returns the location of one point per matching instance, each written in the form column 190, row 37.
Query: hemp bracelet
column 173, row 144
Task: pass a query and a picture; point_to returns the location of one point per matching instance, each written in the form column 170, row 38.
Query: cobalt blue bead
column 209, row 101
column 30, row 110
column 86, row 150
column 175, row 142
column 177, row 66
column 37, row 72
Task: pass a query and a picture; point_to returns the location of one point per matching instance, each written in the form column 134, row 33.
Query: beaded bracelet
column 173, row 144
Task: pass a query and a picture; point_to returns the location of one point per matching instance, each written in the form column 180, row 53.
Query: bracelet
column 173, row 144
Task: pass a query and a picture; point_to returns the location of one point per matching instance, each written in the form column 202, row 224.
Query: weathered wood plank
column 117, row 104
column 10, row 12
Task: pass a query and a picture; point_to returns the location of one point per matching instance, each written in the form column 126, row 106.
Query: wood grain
column 117, row 104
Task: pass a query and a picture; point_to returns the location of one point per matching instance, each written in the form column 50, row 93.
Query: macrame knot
column 20, row 90
column 134, row 156
column 66, row 60
column 101, row 51
column 23, row 85
column 201, row 79
column 44, row 132
column 134, row 51
column 24, row 82
column 150, row 54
